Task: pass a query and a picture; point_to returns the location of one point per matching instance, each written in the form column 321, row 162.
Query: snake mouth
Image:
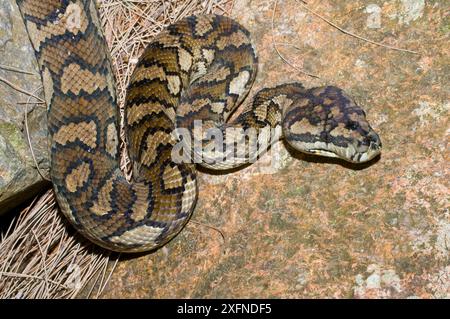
column 323, row 152
column 365, row 156
column 353, row 150
column 356, row 152
column 349, row 153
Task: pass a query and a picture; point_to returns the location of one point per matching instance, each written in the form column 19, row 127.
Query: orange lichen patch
column 78, row 177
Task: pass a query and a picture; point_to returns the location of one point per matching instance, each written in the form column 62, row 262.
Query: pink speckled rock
column 309, row 227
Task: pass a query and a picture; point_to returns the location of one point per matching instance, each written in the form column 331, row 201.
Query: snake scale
column 197, row 70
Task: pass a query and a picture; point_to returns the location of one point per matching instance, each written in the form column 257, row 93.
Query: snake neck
column 223, row 146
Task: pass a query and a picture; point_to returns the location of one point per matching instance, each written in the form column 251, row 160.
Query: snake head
column 325, row 121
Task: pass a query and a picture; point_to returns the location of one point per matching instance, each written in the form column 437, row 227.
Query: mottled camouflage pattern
column 200, row 68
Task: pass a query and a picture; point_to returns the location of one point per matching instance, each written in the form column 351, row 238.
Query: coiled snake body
column 198, row 70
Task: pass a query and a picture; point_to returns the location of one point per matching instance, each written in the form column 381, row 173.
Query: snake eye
column 351, row 126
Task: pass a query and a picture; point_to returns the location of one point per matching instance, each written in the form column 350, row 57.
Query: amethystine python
column 197, row 70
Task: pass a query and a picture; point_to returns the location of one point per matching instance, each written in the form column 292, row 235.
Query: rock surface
column 19, row 179
column 308, row 227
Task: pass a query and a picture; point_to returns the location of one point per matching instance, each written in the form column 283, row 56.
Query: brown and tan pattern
column 197, row 70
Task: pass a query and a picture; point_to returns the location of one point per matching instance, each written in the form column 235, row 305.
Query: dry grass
column 39, row 255
column 39, row 258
